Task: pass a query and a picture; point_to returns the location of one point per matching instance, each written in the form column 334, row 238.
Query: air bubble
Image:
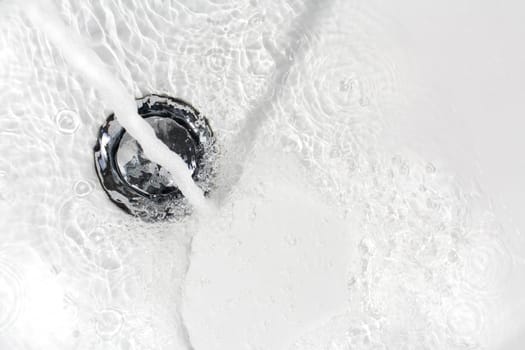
column 109, row 323
column 82, row 188
column 216, row 60
column 67, row 121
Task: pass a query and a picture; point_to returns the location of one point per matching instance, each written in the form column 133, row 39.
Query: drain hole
column 148, row 177
column 144, row 188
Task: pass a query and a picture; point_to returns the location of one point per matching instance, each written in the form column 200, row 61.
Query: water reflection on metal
column 144, row 188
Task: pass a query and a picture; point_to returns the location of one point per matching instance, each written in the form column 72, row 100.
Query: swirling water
column 327, row 237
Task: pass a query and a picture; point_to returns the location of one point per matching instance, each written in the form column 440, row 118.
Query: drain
column 144, row 188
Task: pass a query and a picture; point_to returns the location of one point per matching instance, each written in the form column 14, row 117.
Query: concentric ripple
column 88, row 235
column 486, row 264
column 67, row 121
column 335, row 100
column 109, row 323
column 465, row 322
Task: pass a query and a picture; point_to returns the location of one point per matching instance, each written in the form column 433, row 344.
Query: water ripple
column 89, row 233
column 67, row 121
column 486, row 264
column 335, row 101
column 465, row 320
column 108, row 323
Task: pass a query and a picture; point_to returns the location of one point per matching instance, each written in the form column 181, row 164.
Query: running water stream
column 86, row 62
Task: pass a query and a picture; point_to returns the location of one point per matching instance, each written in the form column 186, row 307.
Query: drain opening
column 141, row 187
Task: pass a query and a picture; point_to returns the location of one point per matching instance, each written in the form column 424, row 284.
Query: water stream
column 86, row 62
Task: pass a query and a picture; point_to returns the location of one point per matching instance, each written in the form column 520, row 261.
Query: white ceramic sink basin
column 369, row 189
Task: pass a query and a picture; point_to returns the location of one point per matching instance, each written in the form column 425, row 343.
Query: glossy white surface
column 370, row 186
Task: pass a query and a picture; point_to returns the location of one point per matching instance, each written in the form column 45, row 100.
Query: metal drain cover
column 141, row 187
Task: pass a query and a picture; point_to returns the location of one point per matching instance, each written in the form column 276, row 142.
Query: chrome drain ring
column 143, row 188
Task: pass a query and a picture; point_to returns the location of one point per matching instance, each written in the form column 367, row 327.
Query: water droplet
column 82, row 188
column 109, row 323
column 67, row 121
